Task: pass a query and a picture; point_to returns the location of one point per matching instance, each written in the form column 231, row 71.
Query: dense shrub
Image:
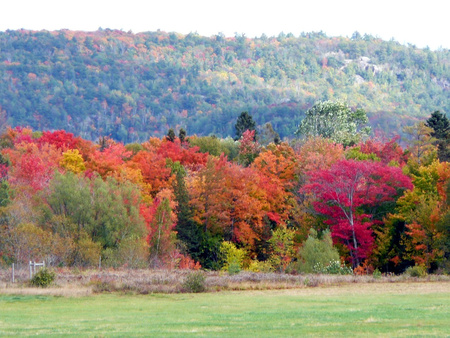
column 377, row 274
column 316, row 251
column 43, row 278
column 416, row 271
column 194, row 282
column 233, row 257
column 333, row 268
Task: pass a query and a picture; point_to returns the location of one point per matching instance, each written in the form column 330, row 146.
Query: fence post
column 31, row 271
column 13, row 272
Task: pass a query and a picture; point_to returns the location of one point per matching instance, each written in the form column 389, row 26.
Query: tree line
column 187, row 201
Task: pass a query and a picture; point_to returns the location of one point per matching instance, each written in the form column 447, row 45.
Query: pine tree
column 244, row 122
column 441, row 131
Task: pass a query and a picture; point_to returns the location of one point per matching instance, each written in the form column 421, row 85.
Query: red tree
column 342, row 192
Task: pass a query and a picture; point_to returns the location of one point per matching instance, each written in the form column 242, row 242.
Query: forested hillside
column 133, row 86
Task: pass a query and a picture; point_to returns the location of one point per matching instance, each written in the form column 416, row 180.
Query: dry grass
column 76, row 283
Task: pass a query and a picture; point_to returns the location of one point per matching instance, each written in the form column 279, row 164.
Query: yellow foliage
column 73, row 161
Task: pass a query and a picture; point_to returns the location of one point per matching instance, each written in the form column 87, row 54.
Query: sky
column 420, row 23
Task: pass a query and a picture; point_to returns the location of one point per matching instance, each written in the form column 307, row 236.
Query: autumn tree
column 421, row 143
column 248, row 148
column 413, row 231
column 160, row 221
column 344, row 189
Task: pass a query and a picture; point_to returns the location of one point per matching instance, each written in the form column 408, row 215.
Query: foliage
column 316, row 251
column 332, row 268
column 336, row 121
column 169, row 204
column 73, row 161
column 95, row 83
column 344, row 189
column 43, row 278
column 194, row 282
column 248, row 148
column 416, row 271
column 441, row 132
column 377, row 274
column 233, row 257
column 245, row 122
column 282, row 247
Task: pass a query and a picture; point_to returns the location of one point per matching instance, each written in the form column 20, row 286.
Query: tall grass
column 144, row 281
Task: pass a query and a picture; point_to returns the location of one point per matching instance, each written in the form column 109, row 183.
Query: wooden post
column 13, row 272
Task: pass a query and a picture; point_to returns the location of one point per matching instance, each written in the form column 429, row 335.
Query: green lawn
column 311, row 312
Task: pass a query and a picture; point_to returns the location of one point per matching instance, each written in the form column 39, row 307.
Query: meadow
column 361, row 309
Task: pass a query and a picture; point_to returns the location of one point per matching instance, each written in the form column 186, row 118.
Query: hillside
column 132, row 86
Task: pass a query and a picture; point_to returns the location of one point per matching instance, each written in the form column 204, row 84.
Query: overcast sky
column 421, row 23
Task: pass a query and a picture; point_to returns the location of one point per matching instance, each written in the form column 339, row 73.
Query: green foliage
column 282, row 247
column 333, row 268
column 316, row 252
column 182, row 135
column 416, row 271
column 131, row 253
column 134, row 147
column 356, row 154
column 278, row 77
column 376, row 274
column 233, row 257
column 441, row 132
column 171, row 135
column 336, row 121
column 194, row 282
column 96, row 214
column 216, row 146
column 43, row 278
column 243, row 123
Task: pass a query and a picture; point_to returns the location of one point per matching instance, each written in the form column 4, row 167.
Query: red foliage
column 189, row 157
column 386, row 151
column 346, row 187
column 109, row 161
column 60, row 139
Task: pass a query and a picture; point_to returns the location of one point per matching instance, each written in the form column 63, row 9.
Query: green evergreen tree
column 441, row 132
column 188, row 231
column 182, row 135
column 243, row 123
column 171, row 135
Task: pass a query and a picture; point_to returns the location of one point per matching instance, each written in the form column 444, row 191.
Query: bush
column 233, row 257
column 416, row 271
column 260, row 266
column 234, row 268
column 43, row 278
column 316, row 251
column 333, row 268
column 376, row 274
column 194, row 282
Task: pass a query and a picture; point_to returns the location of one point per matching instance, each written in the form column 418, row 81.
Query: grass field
column 399, row 309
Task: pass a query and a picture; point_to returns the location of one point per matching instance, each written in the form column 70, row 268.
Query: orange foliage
column 319, row 153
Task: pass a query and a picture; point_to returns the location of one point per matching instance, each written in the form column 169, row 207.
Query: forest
column 130, row 87
column 316, row 204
